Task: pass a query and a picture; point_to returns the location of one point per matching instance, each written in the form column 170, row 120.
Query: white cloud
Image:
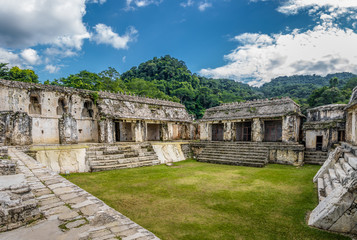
column 30, row 56
column 7, row 56
column 132, row 4
column 51, row 68
column 202, row 6
column 97, row 1
column 123, row 59
column 187, row 3
column 105, row 35
column 25, row 23
column 261, row 57
column 294, row 6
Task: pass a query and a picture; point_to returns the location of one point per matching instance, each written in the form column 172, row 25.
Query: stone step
column 229, row 155
column 340, row 173
column 334, row 180
column 238, row 163
column 321, row 189
column 233, row 158
column 123, row 166
column 327, row 184
column 346, row 166
column 121, row 161
column 240, row 153
column 351, row 159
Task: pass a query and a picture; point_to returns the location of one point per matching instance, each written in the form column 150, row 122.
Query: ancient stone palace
column 46, row 130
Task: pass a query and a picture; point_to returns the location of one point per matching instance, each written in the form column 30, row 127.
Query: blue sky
column 245, row 40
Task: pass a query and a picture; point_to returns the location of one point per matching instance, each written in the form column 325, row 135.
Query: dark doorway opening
column 273, row 131
column 341, row 136
column 153, row 132
column 319, row 140
column 117, row 131
column 217, row 132
column 244, row 131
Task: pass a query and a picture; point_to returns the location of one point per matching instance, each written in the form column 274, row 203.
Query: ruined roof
column 330, row 107
column 88, row 93
column 262, row 108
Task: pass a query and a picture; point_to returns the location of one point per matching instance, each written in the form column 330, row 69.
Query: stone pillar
column 139, row 131
column 165, row 132
column 205, row 131
column 68, row 133
column 257, row 130
column 17, row 128
column 289, row 129
column 227, row 134
column 106, row 131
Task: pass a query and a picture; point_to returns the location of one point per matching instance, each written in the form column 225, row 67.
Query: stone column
column 68, row 133
column 289, row 129
column 205, row 131
column 257, row 130
column 106, row 131
column 165, row 131
column 227, row 135
column 139, row 131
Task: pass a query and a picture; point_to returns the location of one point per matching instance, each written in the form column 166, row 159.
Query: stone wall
column 325, row 121
column 15, row 128
column 62, row 159
column 18, row 205
column 67, row 116
column 7, row 167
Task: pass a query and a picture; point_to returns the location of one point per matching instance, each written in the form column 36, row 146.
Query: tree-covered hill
column 301, row 86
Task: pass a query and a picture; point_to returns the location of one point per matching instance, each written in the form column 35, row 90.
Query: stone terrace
column 68, row 211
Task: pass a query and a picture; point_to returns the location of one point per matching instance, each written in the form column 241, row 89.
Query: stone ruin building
column 258, row 132
column 46, row 130
column 324, row 127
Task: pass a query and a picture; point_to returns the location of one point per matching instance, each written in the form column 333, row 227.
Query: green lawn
column 193, row 200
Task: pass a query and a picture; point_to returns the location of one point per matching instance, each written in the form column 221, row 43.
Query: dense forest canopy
column 169, row 78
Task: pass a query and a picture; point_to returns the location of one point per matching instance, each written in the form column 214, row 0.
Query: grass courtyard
column 193, row 200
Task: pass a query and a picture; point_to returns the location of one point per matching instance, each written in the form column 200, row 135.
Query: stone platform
column 68, row 211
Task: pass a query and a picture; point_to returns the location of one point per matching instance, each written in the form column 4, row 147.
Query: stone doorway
column 123, row 132
column 273, row 131
column 217, row 132
column 319, row 142
column 244, row 131
column 153, row 132
column 117, row 131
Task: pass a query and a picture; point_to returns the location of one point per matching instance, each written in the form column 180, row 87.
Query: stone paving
column 68, row 211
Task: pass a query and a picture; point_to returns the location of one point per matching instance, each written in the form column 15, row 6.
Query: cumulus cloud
column 30, row 23
column 202, row 6
column 294, row 6
column 7, row 56
column 51, row 68
column 30, row 56
column 261, row 57
column 132, row 4
column 105, row 35
column 187, row 3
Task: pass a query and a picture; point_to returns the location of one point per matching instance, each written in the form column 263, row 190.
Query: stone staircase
column 315, row 157
column 102, row 157
column 235, row 153
column 337, row 184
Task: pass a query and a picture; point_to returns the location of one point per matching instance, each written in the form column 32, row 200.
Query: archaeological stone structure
column 46, row 130
column 258, row 131
column 45, row 114
column 325, row 126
